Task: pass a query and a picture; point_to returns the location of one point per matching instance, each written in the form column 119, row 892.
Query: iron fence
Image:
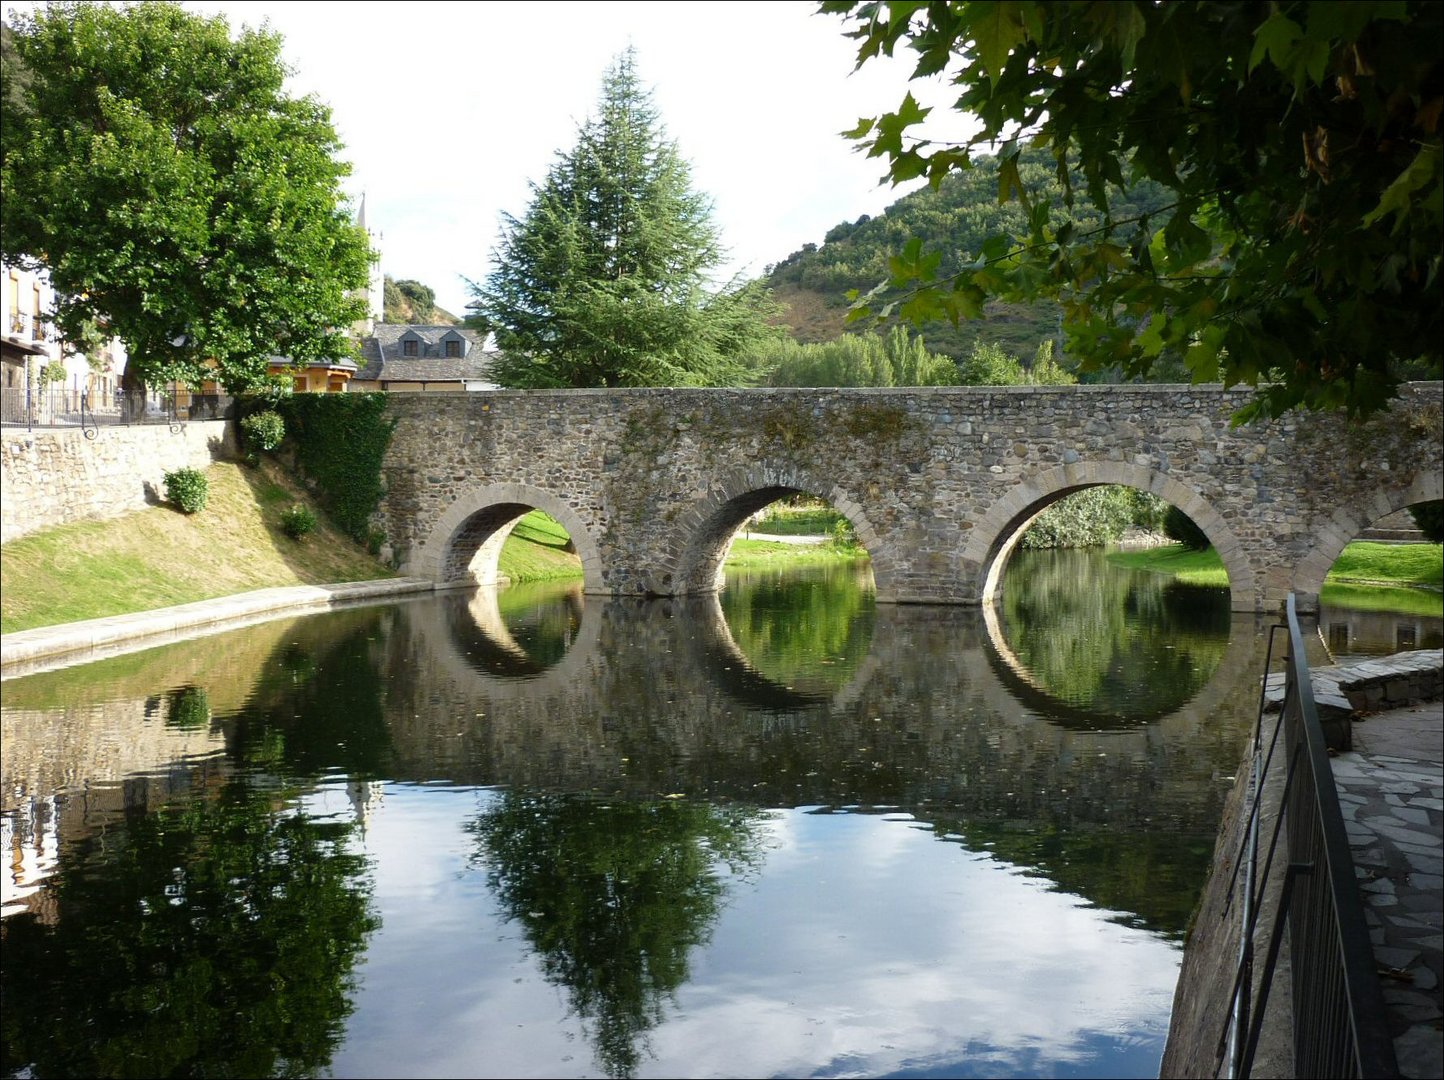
column 73, row 408
column 1339, row 1022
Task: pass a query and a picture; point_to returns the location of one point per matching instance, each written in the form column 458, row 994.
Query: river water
column 776, row 832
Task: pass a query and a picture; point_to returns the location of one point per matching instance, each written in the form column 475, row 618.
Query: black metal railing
column 61, row 408
column 1339, row 1023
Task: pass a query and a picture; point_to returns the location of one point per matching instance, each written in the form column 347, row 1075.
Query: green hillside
column 412, row 302
column 955, row 219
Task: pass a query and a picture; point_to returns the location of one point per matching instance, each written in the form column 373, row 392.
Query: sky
column 448, row 110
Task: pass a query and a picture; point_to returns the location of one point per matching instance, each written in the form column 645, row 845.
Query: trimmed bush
column 264, row 430
column 1180, row 528
column 187, row 490
column 297, row 521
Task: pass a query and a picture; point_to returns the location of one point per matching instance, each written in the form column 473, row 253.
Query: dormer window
column 453, row 344
column 408, row 347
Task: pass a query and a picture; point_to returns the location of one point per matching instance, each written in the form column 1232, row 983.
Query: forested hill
column 410, row 301
column 955, row 219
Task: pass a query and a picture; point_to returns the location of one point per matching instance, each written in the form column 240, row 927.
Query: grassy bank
column 159, row 557
column 538, row 550
column 1368, row 575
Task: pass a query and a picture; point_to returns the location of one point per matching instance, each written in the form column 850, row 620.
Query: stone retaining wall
column 57, row 476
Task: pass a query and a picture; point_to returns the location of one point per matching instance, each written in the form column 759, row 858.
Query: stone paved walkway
column 1391, row 791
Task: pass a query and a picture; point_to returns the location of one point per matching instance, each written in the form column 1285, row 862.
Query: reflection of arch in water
column 465, row 544
column 483, row 635
column 706, row 531
column 454, row 648
column 1234, row 665
column 1346, row 525
column 993, row 538
column 728, row 667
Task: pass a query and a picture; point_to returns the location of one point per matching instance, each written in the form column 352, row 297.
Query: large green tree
column 606, row 280
column 1300, row 144
column 177, row 195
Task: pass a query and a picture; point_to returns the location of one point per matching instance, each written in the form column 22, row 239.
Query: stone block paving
column 1391, row 792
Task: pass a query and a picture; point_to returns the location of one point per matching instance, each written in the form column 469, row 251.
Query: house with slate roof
column 400, row 357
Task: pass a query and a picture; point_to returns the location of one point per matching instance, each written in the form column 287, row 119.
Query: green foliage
column 408, row 301
column 897, row 359
column 1095, row 516
column 1430, row 519
column 954, row 219
column 988, row 365
column 175, row 192
column 1179, row 527
column 187, row 490
column 605, row 280
column 340, row 441
column 298, row 521
column 1300, row 247
column 263, row 430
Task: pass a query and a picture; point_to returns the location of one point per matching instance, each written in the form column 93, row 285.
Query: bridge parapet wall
column 938, row 481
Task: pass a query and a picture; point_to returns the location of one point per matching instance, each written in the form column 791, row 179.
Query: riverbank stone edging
column 1344, row 692
column 27, row 651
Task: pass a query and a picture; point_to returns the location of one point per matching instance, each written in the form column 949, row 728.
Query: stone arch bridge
column 939, row 482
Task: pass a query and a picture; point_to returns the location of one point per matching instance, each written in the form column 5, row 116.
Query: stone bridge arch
column 997, row 533
column 703, row 533
column 463, row 545
column 1347, row 522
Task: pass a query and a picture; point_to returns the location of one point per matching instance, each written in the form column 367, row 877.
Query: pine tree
column 605, row 281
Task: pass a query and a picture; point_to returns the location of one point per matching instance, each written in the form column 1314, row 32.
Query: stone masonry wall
column 937, row 481
column 57, row 476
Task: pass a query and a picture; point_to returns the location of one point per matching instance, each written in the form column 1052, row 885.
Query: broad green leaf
column 1395, row 200
column 996, row 33
column 1276, row 38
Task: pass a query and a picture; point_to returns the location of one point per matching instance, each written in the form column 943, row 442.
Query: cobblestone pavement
column 1391, row 791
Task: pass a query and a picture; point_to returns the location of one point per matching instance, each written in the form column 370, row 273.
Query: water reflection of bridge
column 934, row 707
column 658, row 697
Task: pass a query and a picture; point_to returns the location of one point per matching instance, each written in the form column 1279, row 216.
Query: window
column 453, row 347
column 408, row 347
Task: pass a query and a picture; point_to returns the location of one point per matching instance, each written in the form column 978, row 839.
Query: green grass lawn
column 159, row 557
column 1381, row 577
column 1189, row 567
column 754, row 553
column 538, row 549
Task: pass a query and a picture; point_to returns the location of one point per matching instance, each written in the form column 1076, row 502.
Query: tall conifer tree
column 606, row 279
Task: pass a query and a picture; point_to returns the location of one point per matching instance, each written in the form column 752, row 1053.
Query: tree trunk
column 132, row 398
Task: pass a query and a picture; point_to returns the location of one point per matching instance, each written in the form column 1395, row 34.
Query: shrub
column 186, row 490
column 1086, row 518
column 297, row 521
column 1179, row 527
column 264, row 430
column 1429, row 517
